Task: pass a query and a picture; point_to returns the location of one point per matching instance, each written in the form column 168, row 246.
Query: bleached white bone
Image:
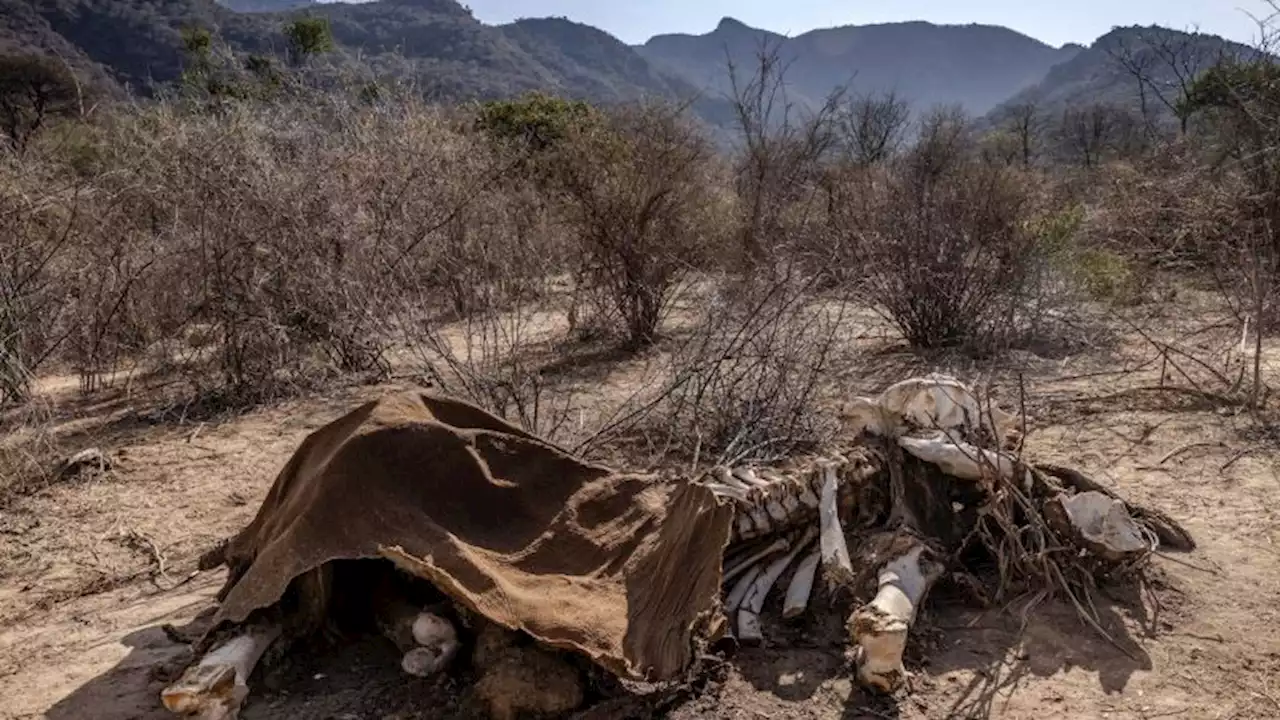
column 725, row 477
column 934, row 401
column 880, row 627
column 781, row 544
column 777, row 513
column 438, row 641
column 749, row 612
column 801, row 586
column 959, row 459
column 216, row 686
column 1102, row 524
column 730, row 491
column 749, row 476
column 740, row 588
column 835, row 549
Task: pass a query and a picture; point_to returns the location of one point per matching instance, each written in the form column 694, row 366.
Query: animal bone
column 781, row 544
column 879, row 628
column 1100, row 524
column 932, row 402
column 801, row 586
column 216, row 686
column 749, row 612
column 835, row 549
column 739, row 591
column 439, row 643
column 748, row 476
column 769, row 502
column 960, row 460
column 428, row 641
column 726, row 478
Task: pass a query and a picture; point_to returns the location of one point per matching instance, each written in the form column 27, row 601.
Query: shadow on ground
column 964, row 662
column 978, row 658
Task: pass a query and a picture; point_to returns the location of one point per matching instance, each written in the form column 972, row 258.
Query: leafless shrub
column 779, row 169
column 946, row 251
column 29, row 452
column 480, row 338
column 638, row 194
column 749, row 382
column 39, row 215
column 1092, row 134
column 746, row 381
column 872, row 127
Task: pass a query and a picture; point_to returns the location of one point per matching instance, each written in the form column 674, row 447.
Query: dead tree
column 782, row 146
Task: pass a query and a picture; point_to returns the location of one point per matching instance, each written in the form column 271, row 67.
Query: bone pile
column 797, row 516
column 216, row 686
column 805, row 519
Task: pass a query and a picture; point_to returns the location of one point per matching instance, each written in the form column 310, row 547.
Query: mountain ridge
column 931, row 64
column 453, row 56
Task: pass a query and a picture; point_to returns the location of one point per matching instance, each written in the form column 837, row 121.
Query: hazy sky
column 1053, row 21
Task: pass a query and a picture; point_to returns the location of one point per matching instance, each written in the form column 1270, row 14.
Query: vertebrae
column 772, row 501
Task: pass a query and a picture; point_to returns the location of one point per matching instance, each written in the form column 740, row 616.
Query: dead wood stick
column 1189, row 447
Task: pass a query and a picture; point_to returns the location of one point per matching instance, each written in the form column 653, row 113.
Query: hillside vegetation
column 444, row 53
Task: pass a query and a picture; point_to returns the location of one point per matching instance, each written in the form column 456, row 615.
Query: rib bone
column 739, row 591
column 216, row 686
column 801, row 586
column 835, row 549
column 749, row 613
column 779, row 545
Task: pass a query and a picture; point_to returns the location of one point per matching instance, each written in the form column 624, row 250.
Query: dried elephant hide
column 614, row 566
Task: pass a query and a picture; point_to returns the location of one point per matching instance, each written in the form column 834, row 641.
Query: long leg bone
column 216, row 686
column 749, row 612
column 880, row 627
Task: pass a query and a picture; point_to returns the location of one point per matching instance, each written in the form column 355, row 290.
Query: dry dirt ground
column 91, row 568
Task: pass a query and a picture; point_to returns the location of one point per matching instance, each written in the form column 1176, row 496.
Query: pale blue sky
column 1055, row 22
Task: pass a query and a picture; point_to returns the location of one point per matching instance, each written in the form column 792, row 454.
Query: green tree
column 307, row 37
column 33, row 89
column 536, row 119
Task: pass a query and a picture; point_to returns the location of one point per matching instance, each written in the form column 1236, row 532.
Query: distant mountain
column 974, row 66
column 451, row 56
column 438, row 44
column 265, row 6
column 1108, row 71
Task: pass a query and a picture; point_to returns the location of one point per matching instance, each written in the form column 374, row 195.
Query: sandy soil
column 91, row 568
